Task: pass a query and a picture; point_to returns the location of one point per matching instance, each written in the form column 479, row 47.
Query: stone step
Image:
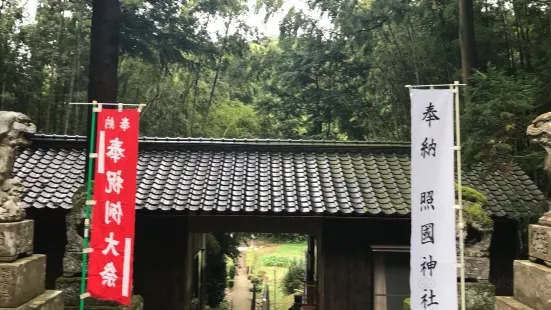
column 532, row 284
column 16, row 239
column 22, row 280
column 509, row 303
column 50, row 300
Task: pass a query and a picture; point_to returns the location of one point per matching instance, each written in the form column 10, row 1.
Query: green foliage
column 224, row 305
column 345, row 82
column 219, row 247
column 232, row 271
column 495, row 121
column 282, row 238
column 230, row 283
column 215, row 278
column 294, row 279
column 340, row 79
column 276, row 261
column 255, row 288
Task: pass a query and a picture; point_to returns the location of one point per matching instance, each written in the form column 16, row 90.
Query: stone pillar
column 22, row 274
column 532, row 279
column 70, row 283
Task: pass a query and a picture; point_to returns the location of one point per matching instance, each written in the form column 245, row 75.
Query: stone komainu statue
column 15, row 131
column 540, row 133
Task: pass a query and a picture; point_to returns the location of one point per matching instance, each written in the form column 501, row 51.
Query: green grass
column 292, row 250
column 289, row 251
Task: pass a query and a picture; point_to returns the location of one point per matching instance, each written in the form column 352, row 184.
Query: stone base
column 50, row 300
column 532, row 284
column 137, row 304
column 539, row 245
column 510, row 303
column 16, row 239
column 479, row 296
column 22, row 280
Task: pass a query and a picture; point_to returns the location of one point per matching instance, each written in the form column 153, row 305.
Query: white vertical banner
column 433, row 274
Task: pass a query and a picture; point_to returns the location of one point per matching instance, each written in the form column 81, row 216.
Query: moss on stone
column 472, row 195
column 475, row 212
column 474, row 203
column 407, row 304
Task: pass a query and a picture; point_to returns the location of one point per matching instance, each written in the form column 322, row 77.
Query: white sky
column 271, row 28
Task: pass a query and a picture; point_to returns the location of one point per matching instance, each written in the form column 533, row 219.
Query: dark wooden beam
column 259, row 224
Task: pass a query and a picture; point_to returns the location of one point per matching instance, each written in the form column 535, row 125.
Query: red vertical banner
column 114, row 211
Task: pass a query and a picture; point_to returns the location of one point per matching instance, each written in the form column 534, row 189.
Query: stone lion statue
column 15, row 131
column 540, row 133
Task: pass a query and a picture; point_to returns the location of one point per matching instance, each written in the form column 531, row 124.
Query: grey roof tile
column 210, row 175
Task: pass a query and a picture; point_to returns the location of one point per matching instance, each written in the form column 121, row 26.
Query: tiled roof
column 281, row 176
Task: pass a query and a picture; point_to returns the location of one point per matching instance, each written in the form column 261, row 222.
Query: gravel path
column 241, row 297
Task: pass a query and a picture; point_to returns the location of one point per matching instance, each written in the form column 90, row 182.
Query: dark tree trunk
column 104, row 55
column 467, row 38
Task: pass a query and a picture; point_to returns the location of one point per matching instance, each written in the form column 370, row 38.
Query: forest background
column 336, row 70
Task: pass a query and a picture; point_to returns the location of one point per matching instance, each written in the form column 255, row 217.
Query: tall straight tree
column 104, row 55
column 467, row 38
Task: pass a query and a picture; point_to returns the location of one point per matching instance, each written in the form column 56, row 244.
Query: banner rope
column 88, row 206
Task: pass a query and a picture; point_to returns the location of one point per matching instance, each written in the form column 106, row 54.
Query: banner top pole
column 108, row 103
column 435, row 85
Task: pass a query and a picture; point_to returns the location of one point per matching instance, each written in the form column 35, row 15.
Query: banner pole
column 459, row 196
column 87, row 215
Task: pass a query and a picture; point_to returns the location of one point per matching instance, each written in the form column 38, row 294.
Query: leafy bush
column 294, row 279
column 282, row 238
column 255, row 280
column 256, row 288
column 261, row 275
column 232, row 271
column 230, row 283
column 224, row 305
column 276, row 261
column 216, row 273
